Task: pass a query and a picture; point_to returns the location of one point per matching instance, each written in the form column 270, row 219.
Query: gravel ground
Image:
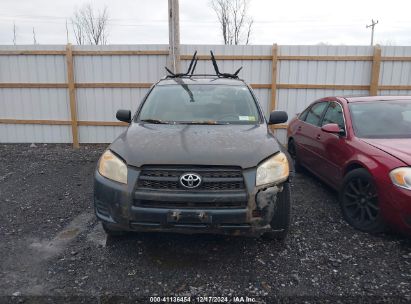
column 52, row 245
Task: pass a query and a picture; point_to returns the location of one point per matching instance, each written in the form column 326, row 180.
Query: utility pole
column 372, row 25
column 174, row 35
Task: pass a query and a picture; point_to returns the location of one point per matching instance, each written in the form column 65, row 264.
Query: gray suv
column 197, row 157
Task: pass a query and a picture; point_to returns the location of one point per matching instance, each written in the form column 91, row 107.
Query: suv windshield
column 382, row 119
column 200, row 104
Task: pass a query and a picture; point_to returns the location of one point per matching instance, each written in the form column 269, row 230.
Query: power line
column 139, row 22
column 142, row 23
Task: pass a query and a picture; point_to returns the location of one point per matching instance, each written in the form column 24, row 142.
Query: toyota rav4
column 198, row 156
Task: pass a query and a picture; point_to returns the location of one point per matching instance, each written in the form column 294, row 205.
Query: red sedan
column 360, row 146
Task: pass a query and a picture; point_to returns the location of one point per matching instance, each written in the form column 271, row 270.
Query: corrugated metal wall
column 100, row 104
column 395, row 72
column 34, row 103
column 319, row 72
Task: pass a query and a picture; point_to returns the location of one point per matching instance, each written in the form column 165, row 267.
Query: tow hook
column 175, row 215
column 202, row 216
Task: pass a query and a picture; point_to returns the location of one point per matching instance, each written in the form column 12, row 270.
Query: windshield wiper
column 154, row 121
column 202, row 122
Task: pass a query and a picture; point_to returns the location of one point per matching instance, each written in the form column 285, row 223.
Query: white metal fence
column 35, row 82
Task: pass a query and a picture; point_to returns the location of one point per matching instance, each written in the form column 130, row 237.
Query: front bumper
column 114, row 204
column 396, row 207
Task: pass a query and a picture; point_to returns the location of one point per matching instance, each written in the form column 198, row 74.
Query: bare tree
column 14, row 34
column 34, row 37
column 78, row 29
column 90, row 26
column 388, row 42
column 250, row 24
column 234, row 21
column 67, row 33
column 323, row 43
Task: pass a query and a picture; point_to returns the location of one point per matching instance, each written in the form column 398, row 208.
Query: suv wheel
column 293, row 153
column 280, row 223
column 359, row 202
column 110, row 231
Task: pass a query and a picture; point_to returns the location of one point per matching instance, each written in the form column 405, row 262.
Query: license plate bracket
column 178, row 216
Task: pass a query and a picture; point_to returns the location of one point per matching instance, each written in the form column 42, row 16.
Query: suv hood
column 226, row 145
column 397, row 147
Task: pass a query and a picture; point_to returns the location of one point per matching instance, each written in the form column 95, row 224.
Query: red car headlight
column 401, row 177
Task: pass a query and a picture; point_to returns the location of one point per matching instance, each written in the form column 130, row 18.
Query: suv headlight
column 273, row 170
column 112, row 167
column 401, row 177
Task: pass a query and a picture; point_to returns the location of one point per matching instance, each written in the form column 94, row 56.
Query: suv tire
column 280, row 223
column 110, row 231
column 293, row 153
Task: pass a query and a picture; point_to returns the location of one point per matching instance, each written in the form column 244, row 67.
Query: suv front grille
column 213, row 179
column 221, row 187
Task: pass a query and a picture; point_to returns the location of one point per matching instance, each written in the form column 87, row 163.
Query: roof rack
column 191, row 69
column 193, row 64
column 223, row 75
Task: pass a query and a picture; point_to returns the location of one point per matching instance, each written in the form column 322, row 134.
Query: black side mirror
column 124, row 115
column 277, row 117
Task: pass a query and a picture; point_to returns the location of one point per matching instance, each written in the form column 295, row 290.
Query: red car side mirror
column 332, row 128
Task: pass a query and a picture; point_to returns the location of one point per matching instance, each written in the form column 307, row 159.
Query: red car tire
column 359, row 202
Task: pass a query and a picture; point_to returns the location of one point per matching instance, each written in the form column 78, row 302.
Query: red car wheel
column 359, row 202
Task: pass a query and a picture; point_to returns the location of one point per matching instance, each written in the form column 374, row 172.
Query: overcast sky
column 282, row 22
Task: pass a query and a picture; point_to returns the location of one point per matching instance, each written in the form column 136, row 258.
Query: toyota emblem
column 190, row 180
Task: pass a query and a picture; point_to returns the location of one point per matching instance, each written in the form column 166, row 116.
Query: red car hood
column 397, row 147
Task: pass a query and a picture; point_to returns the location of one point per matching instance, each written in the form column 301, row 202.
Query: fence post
column 72, row 95
column 273, row 102
column 375, row 72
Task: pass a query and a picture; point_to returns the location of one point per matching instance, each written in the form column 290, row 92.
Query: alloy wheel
column 360, row 202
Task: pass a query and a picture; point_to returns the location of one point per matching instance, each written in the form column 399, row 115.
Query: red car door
column 333, row 150
column 306, row 140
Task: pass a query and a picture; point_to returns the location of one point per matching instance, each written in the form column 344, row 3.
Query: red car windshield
column 382, row 119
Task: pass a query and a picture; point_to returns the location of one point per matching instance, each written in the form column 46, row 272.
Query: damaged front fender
column 265, row 205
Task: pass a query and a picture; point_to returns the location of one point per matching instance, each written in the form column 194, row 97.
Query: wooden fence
column 374, row 86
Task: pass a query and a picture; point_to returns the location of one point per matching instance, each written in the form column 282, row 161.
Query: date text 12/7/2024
column 202, row 299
